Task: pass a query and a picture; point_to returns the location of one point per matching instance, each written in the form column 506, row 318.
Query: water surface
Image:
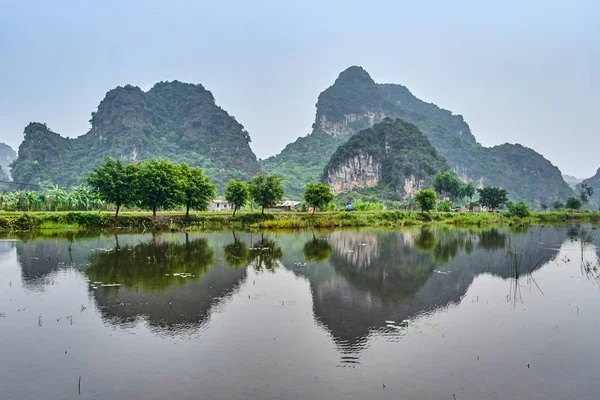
column 416, row 314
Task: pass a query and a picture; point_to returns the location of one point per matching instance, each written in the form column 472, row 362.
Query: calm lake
column 423, row 313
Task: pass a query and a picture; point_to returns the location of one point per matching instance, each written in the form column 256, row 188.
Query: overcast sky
column 519, row 71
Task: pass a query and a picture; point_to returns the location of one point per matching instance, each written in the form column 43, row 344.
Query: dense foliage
column 492, row 197
column 113, row 182
column 197, row 189
column 400, row 147
column 573, row 203
column 447, row 184
column 318, row 195
column 266, row 190
column 425, row 199
column 152, row 184
column 237, row 193
column 173, row 120
column 519, row 210
column 51, row 198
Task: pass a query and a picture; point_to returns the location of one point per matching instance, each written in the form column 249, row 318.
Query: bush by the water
column 519, row 210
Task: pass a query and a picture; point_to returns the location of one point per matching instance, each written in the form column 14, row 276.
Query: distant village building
column 220, row 205
column 288, row 205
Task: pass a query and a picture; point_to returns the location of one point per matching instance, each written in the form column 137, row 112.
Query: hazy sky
column 519, row 71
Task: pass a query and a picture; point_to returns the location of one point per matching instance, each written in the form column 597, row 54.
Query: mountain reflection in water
column 358, row 279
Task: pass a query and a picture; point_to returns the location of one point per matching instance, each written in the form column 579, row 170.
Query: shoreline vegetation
column 31, row 221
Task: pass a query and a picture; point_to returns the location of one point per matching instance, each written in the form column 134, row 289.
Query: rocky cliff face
column 173, row 120
column 392, row 153
column 357, row 172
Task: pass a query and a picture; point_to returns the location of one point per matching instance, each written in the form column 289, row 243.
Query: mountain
column 392, row 153
column 572, row 181
column 7, row 156
column 355, row 102
column 174, row 120
column 593, row 182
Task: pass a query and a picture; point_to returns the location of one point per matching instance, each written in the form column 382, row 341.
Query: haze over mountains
column 182, row 122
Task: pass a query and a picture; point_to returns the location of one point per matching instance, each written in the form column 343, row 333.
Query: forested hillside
column 173, row 120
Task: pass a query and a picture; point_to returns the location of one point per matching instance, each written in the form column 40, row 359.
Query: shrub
column 573, row 203
column 425, row 199
column 445, row 206
column 519, row 210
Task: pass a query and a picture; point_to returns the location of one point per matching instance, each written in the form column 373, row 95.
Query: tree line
column 159, row 184
column 448, row 185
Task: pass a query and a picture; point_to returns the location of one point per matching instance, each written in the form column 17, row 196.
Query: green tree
column 114, row 182
column 447, row 184
column 425, row 199
column 519, row 210
column 585, row 192
column 558, row 205
column 237, row 193
column 318, row 195
column 196, row 187
column 573, row 203
column 492, row 197
column 266, row 190
column 467, row 191
column 444, row 206
column 159, row 185
column 543, row 206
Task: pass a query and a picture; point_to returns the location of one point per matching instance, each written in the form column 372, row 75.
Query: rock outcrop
column 392, row 154
column 357, row 172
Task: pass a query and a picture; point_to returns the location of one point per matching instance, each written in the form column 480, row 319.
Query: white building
column 220, row 205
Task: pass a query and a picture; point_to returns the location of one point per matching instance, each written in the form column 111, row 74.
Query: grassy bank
column 19, row 221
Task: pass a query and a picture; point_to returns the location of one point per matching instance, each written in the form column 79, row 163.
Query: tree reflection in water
column 265, row 254
column 152, row 266
column 316, row 249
